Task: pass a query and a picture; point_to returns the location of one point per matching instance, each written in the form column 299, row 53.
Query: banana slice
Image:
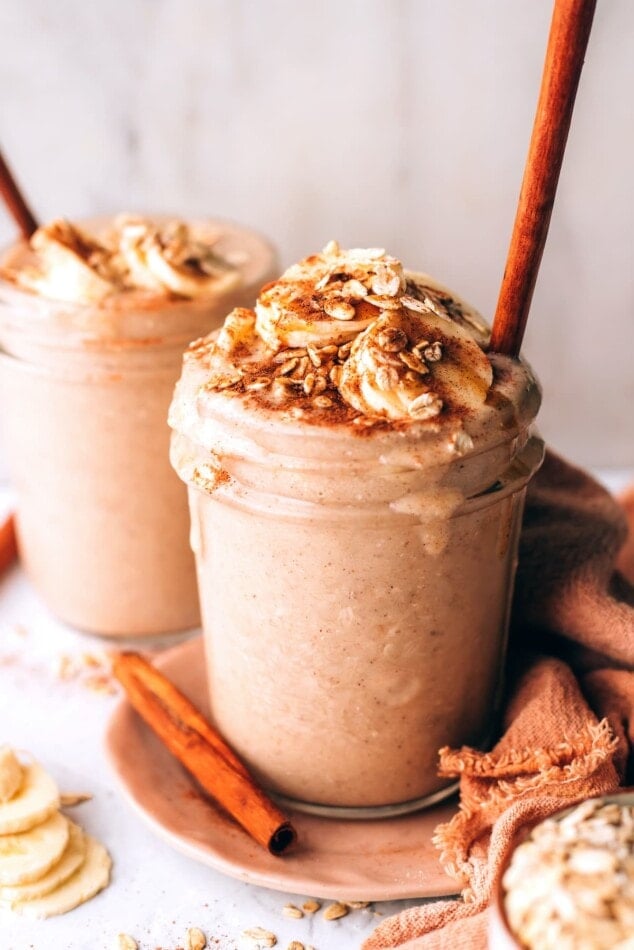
column 91, row 877
column 412, row 363
column 72, row 858
column 26, row 857
column 150, row 256
column 285, row 318
column 10, row 774
column 38, row 797
column 67, row 262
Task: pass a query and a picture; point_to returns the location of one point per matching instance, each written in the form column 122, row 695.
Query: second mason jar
column 85, row 387
column 355, row 592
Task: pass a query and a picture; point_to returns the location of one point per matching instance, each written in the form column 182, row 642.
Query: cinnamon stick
column 202, row 751
column 16, row 202
column 567, row 42
column 8, row 544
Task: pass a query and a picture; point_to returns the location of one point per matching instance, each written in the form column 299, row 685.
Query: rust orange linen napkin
column 568, row 725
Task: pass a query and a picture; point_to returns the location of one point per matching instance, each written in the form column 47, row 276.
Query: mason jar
column 355, row 591
column 102, row 519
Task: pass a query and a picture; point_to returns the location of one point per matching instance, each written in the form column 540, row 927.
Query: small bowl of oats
column 569, row 882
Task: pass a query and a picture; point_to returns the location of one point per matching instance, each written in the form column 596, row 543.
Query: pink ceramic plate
column 381, row 859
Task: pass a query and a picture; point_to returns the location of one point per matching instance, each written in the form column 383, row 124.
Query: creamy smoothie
column 356, row 464
column 93, row 323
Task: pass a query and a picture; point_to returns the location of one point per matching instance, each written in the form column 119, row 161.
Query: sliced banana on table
column 36, row 798
column 48, row 865
column 10, row 774
column 72, row 858
column 30, row 854
column 90, row 878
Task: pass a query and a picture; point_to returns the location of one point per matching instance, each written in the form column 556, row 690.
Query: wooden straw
column 569, row 33
column 15, row 202
column 8, row 544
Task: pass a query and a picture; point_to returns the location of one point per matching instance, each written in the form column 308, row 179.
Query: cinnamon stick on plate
column 8, row 544
column 203, row 752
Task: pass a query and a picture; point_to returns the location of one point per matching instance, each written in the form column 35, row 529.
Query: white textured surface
column 155, row 894
column 396, row 122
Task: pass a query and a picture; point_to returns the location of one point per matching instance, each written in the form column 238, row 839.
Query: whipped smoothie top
column 65, row 262
column 349, row 338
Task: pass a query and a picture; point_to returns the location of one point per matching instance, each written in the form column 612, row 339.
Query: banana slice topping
column 352, row 335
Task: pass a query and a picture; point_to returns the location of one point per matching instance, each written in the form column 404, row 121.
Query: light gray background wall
column 402, row 123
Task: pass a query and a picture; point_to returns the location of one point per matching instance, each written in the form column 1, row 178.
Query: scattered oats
column 66, row 667
column 385, row 358
column 461, row 443
column 323, row 281
column 335, row 375
column 195, row 939
column 332, row 249
column 300, row 370
column 125, row 942
column 366, row 253
column 287, row 368
column 90, row 660
column 100, row 684
column 286, row 382
column 433, row 352
column 412, row 303
column 343, row 352
column 295, row 945
column 355, row 289
column 311, row 906
column 339, row 309
column 392, row 339
column 386, row 378
column 260, row 382
column 313, row 355
column 309, row 383
column 322, row 402
column 414, row 362
column 260, row 937
column 358, row 905
column 285, row 355
column 321, row 384
column 222, row 380
column 328, row 351
column 386, row 282
column 384, row 302
column 425, row 406
column 70, row 799
column 431, row 304
column 290, row 910
column 335, row 911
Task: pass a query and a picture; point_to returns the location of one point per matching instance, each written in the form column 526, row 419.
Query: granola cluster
column 352, row 331
column 570, row 885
